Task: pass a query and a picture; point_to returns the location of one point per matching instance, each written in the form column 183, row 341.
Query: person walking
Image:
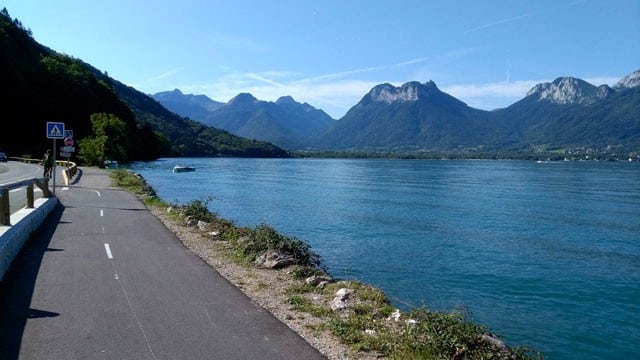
column 47, row 163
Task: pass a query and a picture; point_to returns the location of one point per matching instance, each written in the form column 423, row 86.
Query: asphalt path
column 104, row 279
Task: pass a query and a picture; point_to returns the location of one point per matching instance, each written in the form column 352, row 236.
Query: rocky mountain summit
column 411, row 91
column 630, row 81
column 569, row 90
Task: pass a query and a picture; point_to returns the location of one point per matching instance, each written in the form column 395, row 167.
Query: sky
column 330, row 53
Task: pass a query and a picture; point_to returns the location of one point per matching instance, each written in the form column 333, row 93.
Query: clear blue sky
column 330, row 53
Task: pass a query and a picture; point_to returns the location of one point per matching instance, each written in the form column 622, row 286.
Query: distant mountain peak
column 411, row 91
column 630, row 81
column 283, row 100
column 568, row 90
column 168, row 95
column 290, row 103
column 243, row 98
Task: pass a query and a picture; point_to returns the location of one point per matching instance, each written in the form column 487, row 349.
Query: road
column 13, row 171
column 104, row 279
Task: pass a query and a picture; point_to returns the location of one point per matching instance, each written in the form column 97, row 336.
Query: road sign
column 67, row 149
column 55, row 130
column 68, row 142
column 68, row 134
column 65, row 154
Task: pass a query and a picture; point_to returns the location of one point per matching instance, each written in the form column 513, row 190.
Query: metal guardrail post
column 44, row 186
column 30, row 197
column 5, row 212
column 5, row 206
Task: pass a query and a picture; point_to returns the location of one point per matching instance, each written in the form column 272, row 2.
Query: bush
column 264, row 238
column 199, row 210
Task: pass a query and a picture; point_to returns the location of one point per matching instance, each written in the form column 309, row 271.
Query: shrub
column 264, row 238
column 199, row 210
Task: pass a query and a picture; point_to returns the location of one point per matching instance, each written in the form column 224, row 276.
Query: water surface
column 546, row 255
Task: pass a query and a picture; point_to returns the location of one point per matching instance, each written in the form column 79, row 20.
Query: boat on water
column 111, row 164
column 183, row 168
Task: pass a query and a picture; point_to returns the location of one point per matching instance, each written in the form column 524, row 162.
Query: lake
column 545, row 254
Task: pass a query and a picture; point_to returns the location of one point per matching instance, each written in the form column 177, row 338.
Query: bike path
column 104, row 279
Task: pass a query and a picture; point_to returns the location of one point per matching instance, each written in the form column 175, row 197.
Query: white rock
column 395, row 316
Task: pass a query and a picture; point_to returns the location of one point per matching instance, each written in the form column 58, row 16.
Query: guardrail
column 25, row 221
column 71, row 168
column 5, row 208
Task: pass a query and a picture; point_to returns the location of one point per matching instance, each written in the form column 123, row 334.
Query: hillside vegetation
column 41, row 85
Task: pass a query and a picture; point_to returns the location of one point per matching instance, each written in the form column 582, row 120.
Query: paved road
column 104, row 279
column 14, row 171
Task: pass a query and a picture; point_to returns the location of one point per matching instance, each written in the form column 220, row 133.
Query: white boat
column 111, row 164
column 183, row 168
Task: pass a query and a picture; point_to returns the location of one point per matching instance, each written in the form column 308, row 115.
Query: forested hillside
column 41, row 85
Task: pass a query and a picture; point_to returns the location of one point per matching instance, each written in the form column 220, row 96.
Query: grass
column 369, row 323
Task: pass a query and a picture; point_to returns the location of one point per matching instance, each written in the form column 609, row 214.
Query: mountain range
column 566, row 113
column 285, row 122
column 43, row 85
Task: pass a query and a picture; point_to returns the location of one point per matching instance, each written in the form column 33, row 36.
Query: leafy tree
column 91, row 150
column 108, row 140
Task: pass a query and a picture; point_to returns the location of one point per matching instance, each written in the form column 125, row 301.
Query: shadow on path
column 16, row 288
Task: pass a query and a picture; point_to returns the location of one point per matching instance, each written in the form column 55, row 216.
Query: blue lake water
column 547, row 255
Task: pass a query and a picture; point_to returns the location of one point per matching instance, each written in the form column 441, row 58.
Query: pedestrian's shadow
column 17, row 286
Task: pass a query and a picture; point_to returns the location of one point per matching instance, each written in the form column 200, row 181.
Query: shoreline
column 278, row 292
column 265, row 287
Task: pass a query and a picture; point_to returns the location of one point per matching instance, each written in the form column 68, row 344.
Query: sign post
column 68, row 145
column 55, row 130
column 67, row 149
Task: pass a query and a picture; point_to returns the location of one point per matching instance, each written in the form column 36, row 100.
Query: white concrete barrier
column 24, row 222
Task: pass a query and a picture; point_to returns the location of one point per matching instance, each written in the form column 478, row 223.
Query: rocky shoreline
column 314, row 306
column 266, row 287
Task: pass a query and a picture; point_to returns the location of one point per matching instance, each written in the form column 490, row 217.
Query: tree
column 107, row 143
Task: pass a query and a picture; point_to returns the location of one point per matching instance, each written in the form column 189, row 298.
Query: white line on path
column 108, row 250
column 124, row 290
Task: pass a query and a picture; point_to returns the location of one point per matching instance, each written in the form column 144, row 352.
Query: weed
column 304, row 272
column 305, row 305
column 199, row 210
column 304, row 288
column 264, row 238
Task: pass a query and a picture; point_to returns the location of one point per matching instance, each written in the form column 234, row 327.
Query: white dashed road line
column 108, row 250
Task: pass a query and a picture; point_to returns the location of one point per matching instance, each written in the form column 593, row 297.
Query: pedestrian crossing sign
column 55, row 130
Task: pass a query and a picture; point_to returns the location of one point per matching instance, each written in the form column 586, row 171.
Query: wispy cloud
column 335, row 96
column 343, row 74
column 337, row 92
column 165, row 75
column 523, row 16
column 501, row 21
column 516, row 89
column 412, row 62
column 603, row 80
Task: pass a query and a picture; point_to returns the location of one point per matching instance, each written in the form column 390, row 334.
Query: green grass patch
column 302, row 304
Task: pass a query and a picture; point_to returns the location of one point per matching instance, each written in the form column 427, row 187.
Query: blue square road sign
column 55, row 130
